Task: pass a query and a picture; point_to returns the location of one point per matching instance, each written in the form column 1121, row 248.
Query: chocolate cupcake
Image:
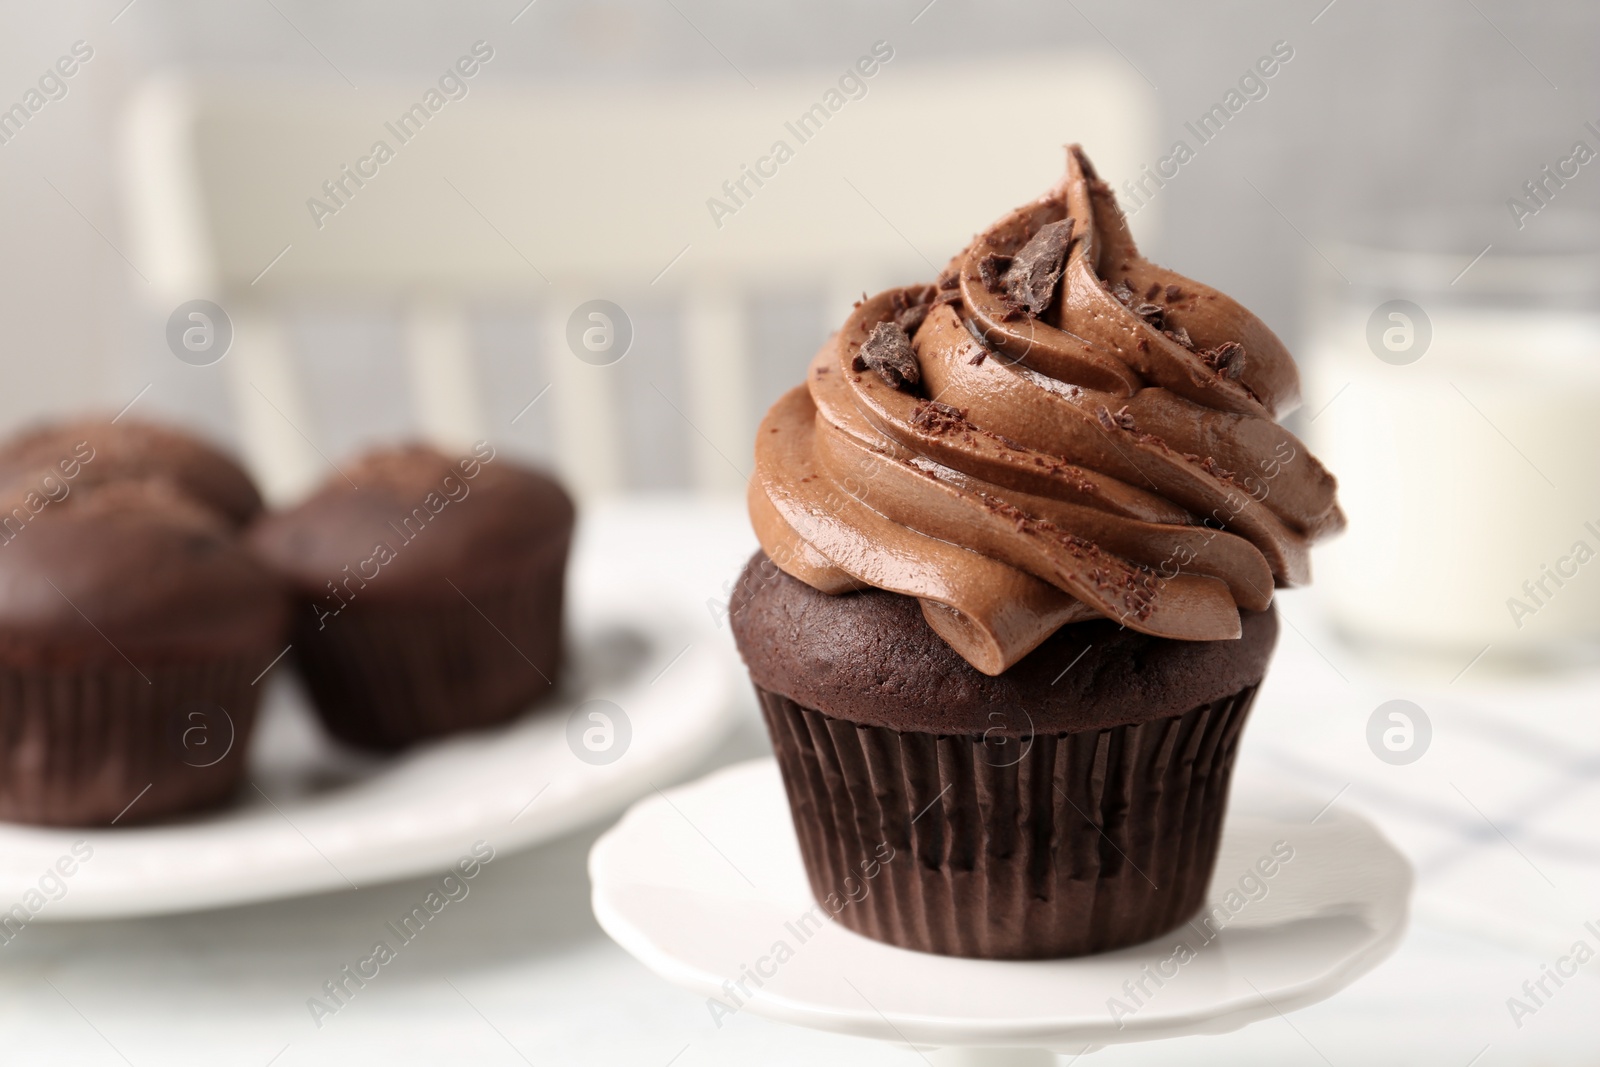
column 133, row 625
column 1021, row 531
column 129, row 449
column 430, row 592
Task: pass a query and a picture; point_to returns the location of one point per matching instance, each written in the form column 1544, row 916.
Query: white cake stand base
column 704, row 885
column 991, row 1057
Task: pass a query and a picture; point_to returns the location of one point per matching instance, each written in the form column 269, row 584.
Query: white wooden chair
column 538, row 199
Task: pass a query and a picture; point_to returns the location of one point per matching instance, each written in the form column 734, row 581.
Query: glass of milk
column 1456, row 396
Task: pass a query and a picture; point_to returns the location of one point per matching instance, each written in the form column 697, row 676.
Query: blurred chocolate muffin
column 133, row 622
column 136, row 450
column 430, row 597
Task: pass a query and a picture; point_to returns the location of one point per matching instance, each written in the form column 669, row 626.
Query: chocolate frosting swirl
column 1073, row 432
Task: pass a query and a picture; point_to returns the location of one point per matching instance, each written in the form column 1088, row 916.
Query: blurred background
column 1409, row 199
column 1317, row 164
column 1383, row 111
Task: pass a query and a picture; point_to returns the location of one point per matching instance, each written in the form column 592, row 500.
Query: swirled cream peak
column 1056, row 430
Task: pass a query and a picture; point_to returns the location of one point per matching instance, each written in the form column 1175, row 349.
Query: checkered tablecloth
column 1500, row 814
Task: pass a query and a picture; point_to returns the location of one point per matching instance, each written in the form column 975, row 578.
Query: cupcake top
column 105, row 569
column 404, row 523
column 133, row 450
column 1056, row 430
column 870, row 659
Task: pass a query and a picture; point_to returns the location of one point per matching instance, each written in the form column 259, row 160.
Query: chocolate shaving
column 888, row 351
column 901, row 299
column 1035, row 269
column 910, row 311
column 983, row 354
column 992, row 269
column 912, row 318
column 1173, row 293
column 1123, row 418
column 938, row 419
column 1153, row 291
column 1227, row 359
column 1136, row 586
column 1154, row 314
column 1180, row 335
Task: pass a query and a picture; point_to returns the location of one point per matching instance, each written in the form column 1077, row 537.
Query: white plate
column 703, row 882
column 338, row 820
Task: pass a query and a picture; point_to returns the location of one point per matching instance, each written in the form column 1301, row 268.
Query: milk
column 1471, row 476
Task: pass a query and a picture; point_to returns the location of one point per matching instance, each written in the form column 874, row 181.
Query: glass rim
column 1557, row 258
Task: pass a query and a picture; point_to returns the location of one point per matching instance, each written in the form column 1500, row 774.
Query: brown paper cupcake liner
column 1088, row 842
column 91, row 745
column 386, row 675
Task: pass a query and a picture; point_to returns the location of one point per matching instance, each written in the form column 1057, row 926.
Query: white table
column 519, row 972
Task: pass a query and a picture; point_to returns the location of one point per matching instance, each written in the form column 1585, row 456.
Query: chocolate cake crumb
column 888, row 351
column 1151, row 293
column 1173, row 293
column 1035, row 269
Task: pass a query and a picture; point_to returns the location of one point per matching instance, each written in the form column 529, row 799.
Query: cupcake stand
column 704, row 885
